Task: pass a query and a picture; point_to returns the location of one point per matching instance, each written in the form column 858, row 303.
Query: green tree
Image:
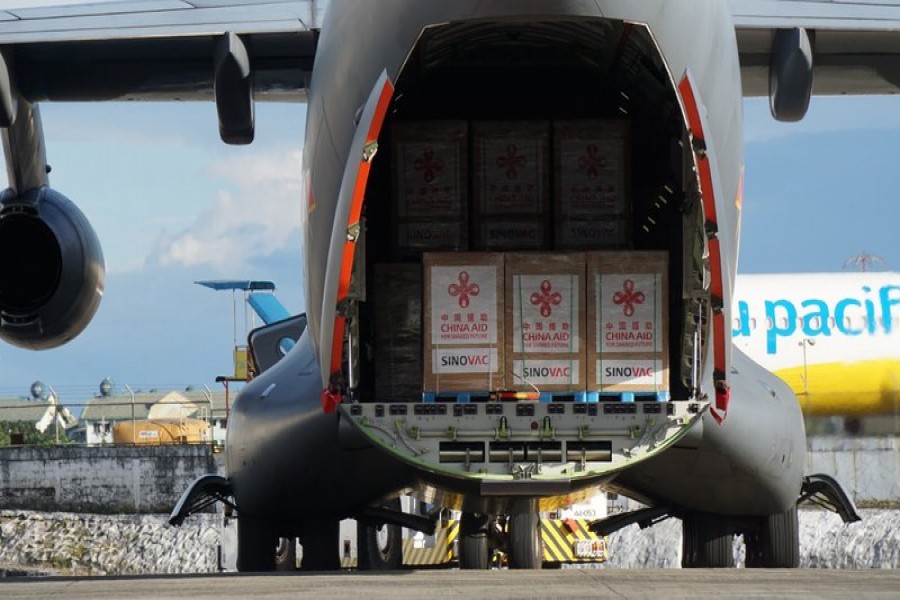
column 32, row 437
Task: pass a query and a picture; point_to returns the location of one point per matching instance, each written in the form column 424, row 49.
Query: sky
column 172, row 204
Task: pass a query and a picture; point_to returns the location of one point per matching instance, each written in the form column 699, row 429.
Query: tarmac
column 407, row 585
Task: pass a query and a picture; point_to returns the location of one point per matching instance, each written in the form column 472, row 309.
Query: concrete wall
column 128, row 480
column 113, row 480
column 868, row 468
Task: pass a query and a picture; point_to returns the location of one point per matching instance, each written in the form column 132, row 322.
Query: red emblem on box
column 512, row 161
column 463, row 289
column 592, row 162
column 429, row 164
column 546, row 298
column 628, row 298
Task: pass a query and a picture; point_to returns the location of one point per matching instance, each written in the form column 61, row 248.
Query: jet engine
column 51, row 269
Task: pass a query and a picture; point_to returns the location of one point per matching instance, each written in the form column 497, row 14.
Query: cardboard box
column 430, row 185
column 398, row 332
column 628, row 322
column 545, row 313
column 463, row 321
column 590, row 167
column 511, row 184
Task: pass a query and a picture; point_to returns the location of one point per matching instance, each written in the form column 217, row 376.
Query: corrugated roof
column 20, row 409
column 119, row 407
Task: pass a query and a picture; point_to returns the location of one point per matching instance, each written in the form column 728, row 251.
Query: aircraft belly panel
column 535, row 449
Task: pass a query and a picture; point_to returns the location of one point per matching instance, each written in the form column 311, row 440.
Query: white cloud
column 256, row 220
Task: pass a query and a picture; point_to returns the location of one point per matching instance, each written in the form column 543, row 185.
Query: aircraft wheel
column 779, row 541
column 707, row 541
column 286, row 554
column 320, row 545
column 753, row 558
column 380, row 548
column 473, row 542
column 525, row 548
column 256, row 545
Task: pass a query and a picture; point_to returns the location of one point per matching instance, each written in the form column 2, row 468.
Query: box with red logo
column 398, row 332
column 591, row 163
column 628, row 321
column 463, row 321
column 546, row 322
column 511, row 184
column 430, row 185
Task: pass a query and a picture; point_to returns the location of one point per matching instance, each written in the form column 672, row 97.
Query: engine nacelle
column 51, row 269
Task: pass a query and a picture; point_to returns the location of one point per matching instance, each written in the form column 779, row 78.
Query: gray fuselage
column 288, row 456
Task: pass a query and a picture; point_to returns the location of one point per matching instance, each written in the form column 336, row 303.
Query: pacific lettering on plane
column 815, row 314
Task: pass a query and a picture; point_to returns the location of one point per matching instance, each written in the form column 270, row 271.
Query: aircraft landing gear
column 256, row 544
column 707, row 541
column 286, row 554
column 524, row 541
column 320, row 544
column 474, row 552
column 380, row 547
column 776, row 544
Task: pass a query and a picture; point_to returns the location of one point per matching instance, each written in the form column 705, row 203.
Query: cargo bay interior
column 599, row 81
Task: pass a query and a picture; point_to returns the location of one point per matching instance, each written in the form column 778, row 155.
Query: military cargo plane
column 521, row 230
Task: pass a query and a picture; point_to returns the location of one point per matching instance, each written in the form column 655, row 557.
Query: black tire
column 379, row 547
column 286, row 554
column 525, row 547
column 779, row 541
column 256, row 545
column 320, row 545
column 707, row 541
column 753, row 557
column 473, row 542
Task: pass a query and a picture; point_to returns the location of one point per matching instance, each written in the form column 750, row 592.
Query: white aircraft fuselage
column 833, row 337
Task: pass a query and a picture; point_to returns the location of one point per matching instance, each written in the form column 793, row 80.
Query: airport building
column 156, row 416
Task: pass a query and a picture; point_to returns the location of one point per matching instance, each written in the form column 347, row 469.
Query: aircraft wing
column 856, row 43
column 155, row 49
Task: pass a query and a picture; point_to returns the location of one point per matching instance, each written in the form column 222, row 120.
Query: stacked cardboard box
column 511, row 185
column 545, row 313
column 430, row 186
column 398, row 332
column 590, row 174
column 463, row 322
column 627, row 308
